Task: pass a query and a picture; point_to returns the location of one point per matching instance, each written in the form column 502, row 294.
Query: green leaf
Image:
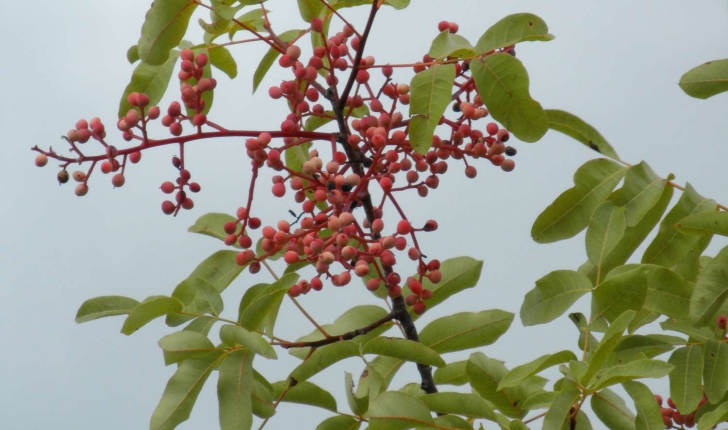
column 149, row 79
column 458, row 274
column 465, row 330
column 715, row 370
column 700, row 334
column 452, row 422
column 197, row 297
column 219, row 269
column 620, row 292
column 252, row 315
column 339, row 422
column 201, row 325
column 520, row 373
column 704, row 223
column 670, row 246
column 359, row 405
column 310, row 9
column 570, row 212
column 183, row 345
column 104, row 306
column 132, row 54
column 540, row 400
column 452, row 374
column 668, row 293
column 430, row 94
column 552, row 296
column 648, row 411
column 164, row 27
column 519, row 27
column 575, row 127
column 404, row 349
column 648, row 346
column 611, row 409
column 606, row 346
column 323, row 358
column 221, row 59
column 587, row 342
column 606, row 229
column 253, row 20
column 502, row 83
column 470, row 405
column 234, row 390
column 233, row 335
column 485, row 374
column 711, row 419
column 305, row 393
column 262, row 397
column 711, row 291
column 452, row 45
column 393, row 410
column 270, row 57
column 353, row 319
column 559, row 414
column 151, row 308
column 631, row 240
column 685, row 380
column 181, row 392
column 633, row 370
column 641, row 192
column 706, row 80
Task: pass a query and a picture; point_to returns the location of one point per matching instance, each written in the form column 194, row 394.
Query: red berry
column 195, row 187
column 385, row 183
column 426, row 294
column 435, row 276
column 404, row 227
column 411, row 299
column 721, row 322
column 659, row 399
column 508, row 165
column 135, row 157
column 81, row 190
column 362, row 76
column 317, row 25
column 254, row 223
column 443, row 26
column 419, row 308
column 199, row 120
column 471, row 172
column 279, row 190
column 290, row 257
column 373, row 284
column 41, row 160
column 118, row 180
column 453, row 27
column 670, row 403
column 491, row 128
column 201, row 59
column 168, row 207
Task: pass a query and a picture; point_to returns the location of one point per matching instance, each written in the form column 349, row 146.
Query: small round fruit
column 721, row 322
column 81, row 190
column 419, row 308
column 168, row 207
column 62, row 177
column 41, row 160
column 118, row 180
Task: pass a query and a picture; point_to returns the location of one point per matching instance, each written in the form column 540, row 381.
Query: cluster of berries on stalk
column 369, row 155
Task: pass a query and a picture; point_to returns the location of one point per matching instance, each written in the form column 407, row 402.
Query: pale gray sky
column 615, row 64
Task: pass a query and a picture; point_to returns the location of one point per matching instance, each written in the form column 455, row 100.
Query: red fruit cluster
column 370, row 157
column 672, row 418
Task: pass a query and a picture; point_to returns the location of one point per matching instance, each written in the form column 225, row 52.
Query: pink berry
column 81, row 190
column 118, row 180
column 41, row 160
column 721, row 322
column 290, row 257
column 404, row 227
column 443, row 26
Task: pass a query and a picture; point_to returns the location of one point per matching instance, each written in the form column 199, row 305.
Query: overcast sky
column 615, row 64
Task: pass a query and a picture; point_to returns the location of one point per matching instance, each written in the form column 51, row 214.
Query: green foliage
column 576, row 128
column 431, row 92
column 619, row 205
column 706, row 80
column 164, row 27
column 519, row 27
column 502, row 83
